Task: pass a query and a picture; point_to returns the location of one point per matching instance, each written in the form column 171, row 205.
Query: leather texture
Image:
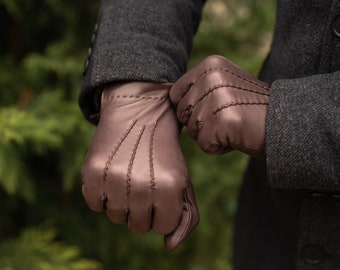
column 134, row 169
column 223, row 107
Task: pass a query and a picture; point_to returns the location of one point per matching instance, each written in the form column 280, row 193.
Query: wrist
column 136, row 88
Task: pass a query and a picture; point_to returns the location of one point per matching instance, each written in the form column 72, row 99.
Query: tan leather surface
column 134, row 169
column 223, row 107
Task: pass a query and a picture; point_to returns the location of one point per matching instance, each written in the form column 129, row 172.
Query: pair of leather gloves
column 135, row 170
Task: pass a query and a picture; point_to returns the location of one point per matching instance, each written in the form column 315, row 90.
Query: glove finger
column 169, row 174
column 189, row 79
column 199, row 116
column 140, row 219
column 213, row 81
column 115, row 186
column 212, row 138
column 207, row 86
column 140, row 189
column 117, row 216
column 189, row 220
column 93, row 186
column 167, row 210
column 186, row 104
column 118, row 179
column 95, row 169
column 184, row 83
column 181, row 87
column 206, row 111
column 116, row 205
column 94, row 200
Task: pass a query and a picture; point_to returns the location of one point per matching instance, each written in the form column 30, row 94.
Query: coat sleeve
column 144, row 40
column 302, row 136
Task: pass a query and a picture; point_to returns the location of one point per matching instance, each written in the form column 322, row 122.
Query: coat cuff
column 302, row 133
column 140, row 41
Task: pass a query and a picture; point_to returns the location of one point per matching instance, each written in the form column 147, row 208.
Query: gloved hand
column 134, row 169
column 223, row 107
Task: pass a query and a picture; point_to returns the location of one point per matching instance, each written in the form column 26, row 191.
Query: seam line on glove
column 207, row 71
column 152, row 171
column 212, row 89
column 116, row 148
column 236, row 104
column 188, row 223
column 136, row 97
column 132, row 158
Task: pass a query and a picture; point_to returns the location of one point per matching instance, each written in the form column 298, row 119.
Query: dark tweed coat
column 289, row 206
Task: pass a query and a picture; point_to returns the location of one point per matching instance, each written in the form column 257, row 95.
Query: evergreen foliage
column 45, row 223
column 36, row 249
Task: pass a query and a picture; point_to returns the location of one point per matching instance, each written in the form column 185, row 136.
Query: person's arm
column 294, row 123
column 134, row 169
column 303, row 133
column 137, row 40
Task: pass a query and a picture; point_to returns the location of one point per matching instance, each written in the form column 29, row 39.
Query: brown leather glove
column 223, row 107
column 134, row 169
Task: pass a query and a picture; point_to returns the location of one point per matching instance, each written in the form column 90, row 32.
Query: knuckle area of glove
column 215, row 138
column 212, row 146
column 91, row 170
column 93, row 197
column 231, row 118
column 167, row 223
column 165, row 230
column 213, row 61
column 171, row 181
column 228, row 124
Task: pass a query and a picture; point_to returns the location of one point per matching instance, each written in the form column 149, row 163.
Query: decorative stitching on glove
column 235, row 104
column 197, row 128
column 188, row 110
column 207, row 71
column 136, row 97
column 116, row 148
column 232, row 73
column 213, row 88
column 133, row 155
column 152, row 172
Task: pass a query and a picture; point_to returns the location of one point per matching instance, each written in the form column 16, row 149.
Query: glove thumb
column 189, row 220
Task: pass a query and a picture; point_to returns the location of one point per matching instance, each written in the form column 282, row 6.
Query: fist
column 134, row 169
column 223, row 107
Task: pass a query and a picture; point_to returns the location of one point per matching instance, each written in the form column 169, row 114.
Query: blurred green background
column 44, row 222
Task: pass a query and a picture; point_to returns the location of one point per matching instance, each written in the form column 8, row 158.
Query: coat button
column 86, row 64
column 313, row 253
column 336, row 26
column 93, row 38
